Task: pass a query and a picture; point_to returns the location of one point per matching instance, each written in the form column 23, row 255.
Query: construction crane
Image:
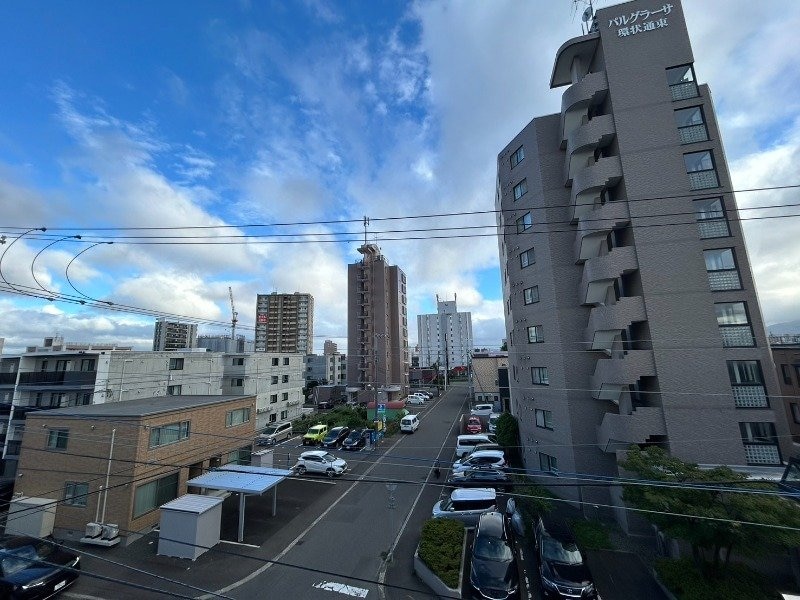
column 234, row 315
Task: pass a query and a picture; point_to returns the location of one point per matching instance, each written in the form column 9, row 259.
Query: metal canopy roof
column 248, row 480
column 193, row 503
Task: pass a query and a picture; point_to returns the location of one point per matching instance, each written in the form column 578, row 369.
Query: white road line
column 239, row 544
column 342, row 588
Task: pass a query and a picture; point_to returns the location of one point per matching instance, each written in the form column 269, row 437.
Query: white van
column 467, row 442
column 466, row 505
column 493, row 421
column 274, row 433
column 409, row 424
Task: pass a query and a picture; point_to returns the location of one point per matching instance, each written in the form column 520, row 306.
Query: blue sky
column 147, row 114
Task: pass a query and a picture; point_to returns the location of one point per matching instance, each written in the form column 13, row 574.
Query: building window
column 175, row 364
column 61, row 365
column 238, row 362
column 284, row 414
column 286, row 361
column 544, row 418
column 285, row 379
column 539, row 376
column 527, row 258
column 275, row 362
column 535, row 334
column 787, row 374
column 171, row 433
column 734, row 325
column 531, row 294
column 237, row 417
column 150, row 496
column 747, row 383
column 273, row 398
column 174, row 390
column 75, row 493
column 711, row 220
column 701, row 170
column 691, row 125
column 57, row 439
column 524, row 223
column 520, row 189
column 722, row 271
column 285, row 396
column 237, row 382
column 274, row 379
column 682, row 83
column 517, row 157
column 87, row 364
column 547, row 462
column 795, row 412
column 760, row 443
column 242, row 455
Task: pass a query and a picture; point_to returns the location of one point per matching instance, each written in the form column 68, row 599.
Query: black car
column 493, row 478
column 562, row 567
column 357, row 439
column 493, row 569
column 335, row 437
column 32, row 568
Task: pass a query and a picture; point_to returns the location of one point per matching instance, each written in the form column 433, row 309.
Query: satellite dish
column 587, row 14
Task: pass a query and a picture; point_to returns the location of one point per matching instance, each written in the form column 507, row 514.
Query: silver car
column 320, row 461
column 466, row 505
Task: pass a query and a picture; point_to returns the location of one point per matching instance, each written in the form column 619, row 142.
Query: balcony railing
column 65, row 378
column 737, row 336
column 750, row 396
column 762, row 454
column 8, row 378
column 724, row 279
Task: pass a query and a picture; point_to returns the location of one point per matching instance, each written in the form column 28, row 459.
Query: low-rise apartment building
column 787, row 363
column 489, row 377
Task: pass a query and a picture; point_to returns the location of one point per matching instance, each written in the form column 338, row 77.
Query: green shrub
column 591, row 535
column 440, row 546
column 684, row 580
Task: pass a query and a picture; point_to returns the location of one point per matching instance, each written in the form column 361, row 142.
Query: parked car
column 415, row 400
column 474, row 425
column 489, row 446
column 494, row 478
column 320, row 461
column 335, row 437
column 274, row 433
column 493, row 571
column 493, row 421
column 33, row 568
column 465, row 443
column 562, row 567
column 409, row 424
column 494, row 459
column 357, row 439
column 482, row 410
column 315, row 435
column 466, row 505
column 428, row 395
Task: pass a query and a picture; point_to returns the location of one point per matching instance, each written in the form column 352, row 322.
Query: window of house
column 520, row 189
column 286, row 361
column 242, row 455
column 174, row 390
column 87, row 364
column 547, row 462
column 722, row 271
column 238, row 361
column 524, row 223
column 760, row 432
column 747, row 383
column 795, row 412
column 711, row 219
column 75, row 493
column 285, row 379
column 237, row 417
column 517, row 156
column 527, row 258
column 284, row 414
column 175, row 364
column 237, row 382
column 701, row 170
column 691, row 125
column 274, row 379
column 61, row 365
column 544, row 418
column 535, row 334
column 170, row 433
column 531, row 295
column 539, row 376
column 149, row 496
column 285, row 396
column 682, row 83
column 57, row 439
column 734, row 325
column 787, row 374
column 275, row 362
column 273, row 398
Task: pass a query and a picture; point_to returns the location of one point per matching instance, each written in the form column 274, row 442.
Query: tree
column 504, row 347
column 507, row 432
column 717, row 521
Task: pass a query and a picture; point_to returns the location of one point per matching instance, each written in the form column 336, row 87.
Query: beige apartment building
column 489, row 377
column 285, row 323
column 157, row 446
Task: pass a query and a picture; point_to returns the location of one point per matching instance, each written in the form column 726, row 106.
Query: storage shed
column 190, row 525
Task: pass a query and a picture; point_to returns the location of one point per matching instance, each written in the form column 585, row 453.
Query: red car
column 474, row 425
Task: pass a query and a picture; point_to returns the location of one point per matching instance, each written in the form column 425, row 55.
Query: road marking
column 239, row 544
column 341, row 588
column 81, row 596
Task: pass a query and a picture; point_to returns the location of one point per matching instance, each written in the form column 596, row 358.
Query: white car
column 428, row 395
column 320, row 461
column 415, row 400
column 482, row 410
column 481, row 459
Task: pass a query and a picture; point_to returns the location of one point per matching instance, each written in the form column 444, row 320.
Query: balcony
column 576, row 99
column 589, row 182
column 584, row 140
column 54, row 378
column 596, row 224
column 613, row 318
column 762, row 454
column 612, row 375
column 750, row 396
column 8, row 378
column 604, row 269
column 619, row 431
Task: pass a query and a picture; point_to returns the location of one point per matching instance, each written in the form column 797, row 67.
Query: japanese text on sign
column 640, row 21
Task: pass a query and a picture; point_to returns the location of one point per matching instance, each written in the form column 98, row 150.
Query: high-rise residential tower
column 445, row 339
column 630, row 306
column 174, row 335
column 377, row 324
column 285, row 323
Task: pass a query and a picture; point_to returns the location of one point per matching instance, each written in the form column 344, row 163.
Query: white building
column 445, row 338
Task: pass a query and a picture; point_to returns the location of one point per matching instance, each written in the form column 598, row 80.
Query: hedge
column 440, row 547
column 686, row 582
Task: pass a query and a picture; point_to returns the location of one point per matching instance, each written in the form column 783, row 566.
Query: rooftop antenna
column 366, row 224
column 586, row 17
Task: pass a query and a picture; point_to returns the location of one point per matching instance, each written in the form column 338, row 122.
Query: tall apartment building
column 377, row 324
column 630, row 307
column 223, row 343
column 445, row 338
column 330, row 347
column 174, row 335
column 285, row 323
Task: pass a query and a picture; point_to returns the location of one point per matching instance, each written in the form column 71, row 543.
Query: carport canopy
column 243, row 479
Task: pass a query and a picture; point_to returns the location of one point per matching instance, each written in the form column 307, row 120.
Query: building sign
column 262, row 318
column 640, row 21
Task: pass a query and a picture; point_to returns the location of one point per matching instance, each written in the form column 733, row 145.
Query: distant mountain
column 787, row 327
